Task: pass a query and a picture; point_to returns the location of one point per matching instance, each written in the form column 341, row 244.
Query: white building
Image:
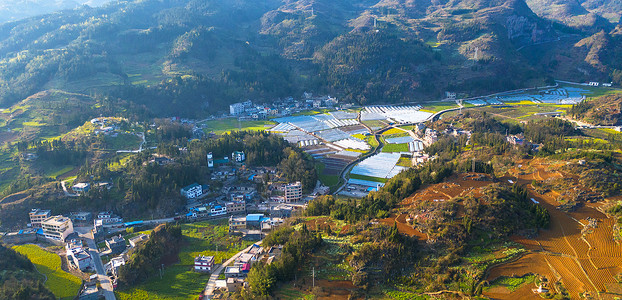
column 210, row 160
column 218, row 210
column 593, row 83
column 236, row 109
column 81, row 187
column 238, row 156
column 203, row 263
column 192, row 191
column 293, row 192
column 37, row 216
column 75, row 253
column 57, row 228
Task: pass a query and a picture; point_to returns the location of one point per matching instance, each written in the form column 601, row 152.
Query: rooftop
column 191, row 186
column 204, row 259
column 56, row 220
column 254, row 217
column 37, row 211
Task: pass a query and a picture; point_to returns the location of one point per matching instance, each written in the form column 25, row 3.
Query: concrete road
column 99, row 267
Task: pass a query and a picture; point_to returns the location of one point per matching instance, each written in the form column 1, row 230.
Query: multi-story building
column 237, row 223
column 203, row 263
column 237, row 207
column 192, row 191
column 116, row 244
column 37, row 216
column 218, row 210
column 236, row 108
column 57, row 228
column 81, row 187
column 293, row 192
column 76, row 254
column 238, row 156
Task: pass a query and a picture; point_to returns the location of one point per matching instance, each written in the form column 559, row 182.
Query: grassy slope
column 61, row 283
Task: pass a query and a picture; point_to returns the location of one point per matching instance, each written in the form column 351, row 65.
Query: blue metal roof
column 254, row 217
column 251, row 177
column 132, row 223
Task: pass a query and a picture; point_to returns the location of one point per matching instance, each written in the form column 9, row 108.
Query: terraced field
column 584, row 258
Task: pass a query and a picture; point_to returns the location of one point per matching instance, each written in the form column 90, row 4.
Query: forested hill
column 190, row 56
column 12, row 10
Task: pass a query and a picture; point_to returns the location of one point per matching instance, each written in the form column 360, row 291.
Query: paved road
column 99, row 267
column 211, row 283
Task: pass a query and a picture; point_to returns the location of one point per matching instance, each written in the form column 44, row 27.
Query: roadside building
column 116, row 244
column 57, row 228
column 253, row 221
column 234, row 284
column 81, row 216
column 218, row 210
column 37, row 216
column 107, row 217
column 203, row 263
column 234, row 272
column 237, row 223
column 293, row 192
column 141, row 238
column 237, row 207
column 80, row 258
column 192, row 191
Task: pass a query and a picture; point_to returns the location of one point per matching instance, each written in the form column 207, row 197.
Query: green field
column 395, row 148
column 511, row 283
column 61, row 283
column 438, row 106
column 227, row 125
column 179, row 281
column 368, row 178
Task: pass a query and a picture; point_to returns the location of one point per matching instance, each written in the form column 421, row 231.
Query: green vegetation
column 511, row 283
column 19, row 279
column 369, row 178
column 222, row 126
column 178, row 280
column 395, row 147
column 61, row 283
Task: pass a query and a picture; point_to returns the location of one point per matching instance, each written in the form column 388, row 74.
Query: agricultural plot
column 585, row 259
column 222, row 126
column 352, row 144
column 61, row 283
column 382, row 165
column 178, row 280
column 397, row 114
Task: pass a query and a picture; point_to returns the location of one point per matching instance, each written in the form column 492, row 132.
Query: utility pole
column 313, row 276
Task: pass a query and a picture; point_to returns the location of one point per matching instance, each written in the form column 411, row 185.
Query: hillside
column 13, row 10
column 606, row 110
column 179, row 55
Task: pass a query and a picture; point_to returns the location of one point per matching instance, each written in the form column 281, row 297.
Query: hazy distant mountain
column 590, row 15
column 11, row 10
column 179, row 55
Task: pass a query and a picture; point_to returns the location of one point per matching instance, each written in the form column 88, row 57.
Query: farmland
column 61, row 283
column 179, row 281
column 221, row 126
column 584, row 259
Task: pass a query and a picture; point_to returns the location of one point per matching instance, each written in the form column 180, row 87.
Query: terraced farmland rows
column 587, row 262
